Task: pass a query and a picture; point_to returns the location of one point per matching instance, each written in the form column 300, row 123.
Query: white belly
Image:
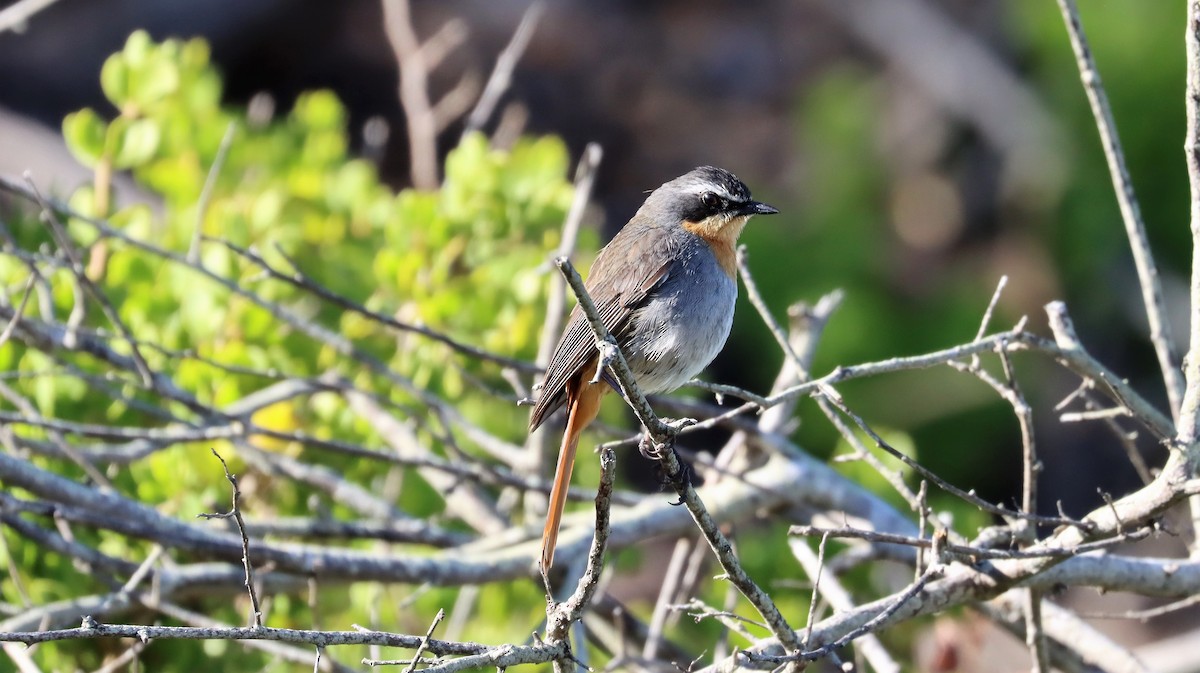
column 682, row 328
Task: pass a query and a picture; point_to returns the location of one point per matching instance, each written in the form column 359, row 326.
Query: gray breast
column 685, row 322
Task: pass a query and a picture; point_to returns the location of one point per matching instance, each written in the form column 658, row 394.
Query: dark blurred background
column 919, row 150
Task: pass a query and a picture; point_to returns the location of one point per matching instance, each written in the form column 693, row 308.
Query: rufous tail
column 582, row 408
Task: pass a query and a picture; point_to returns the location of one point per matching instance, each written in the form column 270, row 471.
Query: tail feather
column 582, row 408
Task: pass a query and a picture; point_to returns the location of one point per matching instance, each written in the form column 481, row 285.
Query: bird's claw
column 649, row 448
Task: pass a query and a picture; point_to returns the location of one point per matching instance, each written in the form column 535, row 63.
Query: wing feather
column 623, row 278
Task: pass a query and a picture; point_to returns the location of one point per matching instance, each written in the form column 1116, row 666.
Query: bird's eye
column 710, row 200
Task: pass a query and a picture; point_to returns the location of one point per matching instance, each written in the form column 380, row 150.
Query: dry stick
column 1147, row 614
column 15, row 16
column 922, row 523
column 840, row 599
column 699, row 610
column 1131, row 215
column 413, row 93
column 560, row 616
column 276, row 650
column 1093, row 414
column 1127, row 440
column 898, row 602
column 1189, row 425
column 420, row 651
column 1072, row 357
column 663, row 435
column 743, row 260
column 1035, row 636
column 816, row 570
column 971, row 553
column 92, row 629
column 20, row 312
column 666, row 594
column 991, row 307
column 77, row 269
column 501, row 77
column 236, row 513
column 1011, row 392
column 893, row 477
column 1189, row 419
column 835, row 398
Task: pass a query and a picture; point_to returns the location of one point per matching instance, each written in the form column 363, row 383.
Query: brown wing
column 624, row 275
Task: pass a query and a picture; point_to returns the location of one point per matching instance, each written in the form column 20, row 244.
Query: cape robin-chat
column 665, row 287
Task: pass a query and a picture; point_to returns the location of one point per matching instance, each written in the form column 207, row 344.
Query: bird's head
column 707, row 201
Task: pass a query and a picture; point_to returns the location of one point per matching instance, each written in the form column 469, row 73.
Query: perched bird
column 665, row 287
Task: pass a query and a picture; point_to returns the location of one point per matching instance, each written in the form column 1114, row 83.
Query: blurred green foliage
column 835, row 231
column 467, row 259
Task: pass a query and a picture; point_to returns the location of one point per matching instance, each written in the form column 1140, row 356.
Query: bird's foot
column 650, row 448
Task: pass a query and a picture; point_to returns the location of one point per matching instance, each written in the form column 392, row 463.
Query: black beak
column 757, row 208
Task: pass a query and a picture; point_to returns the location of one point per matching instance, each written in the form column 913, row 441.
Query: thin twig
column 672, row 576
column 966, row 496
column 1131, row 214
column 236, row 514
column 1189, row 416
column 841, row 600
column 17, row 15
column 413, row 93
column 815, row 571
column 59, row 232
column 416, row 657
column 781, row 338
column 869, row 627
column 972, row 552
column 501, row 77
column 699, row 611
column 206, row 192
column 561, row 616
column 17, row 315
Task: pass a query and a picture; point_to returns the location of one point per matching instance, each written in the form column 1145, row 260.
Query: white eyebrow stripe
column 701, row 187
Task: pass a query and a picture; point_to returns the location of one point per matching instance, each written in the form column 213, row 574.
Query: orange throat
column 721, row 234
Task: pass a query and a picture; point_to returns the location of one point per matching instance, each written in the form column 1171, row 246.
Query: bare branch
column 1131, row 213
column 235, row 512
column 16, row 16
column 506, row 63
column 413, row 92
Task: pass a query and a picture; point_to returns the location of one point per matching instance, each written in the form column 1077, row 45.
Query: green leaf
column 157, row 80
column 136, row 143
column 137, row 48
column 84, row 132
column 114, row 80
column 320, row 110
